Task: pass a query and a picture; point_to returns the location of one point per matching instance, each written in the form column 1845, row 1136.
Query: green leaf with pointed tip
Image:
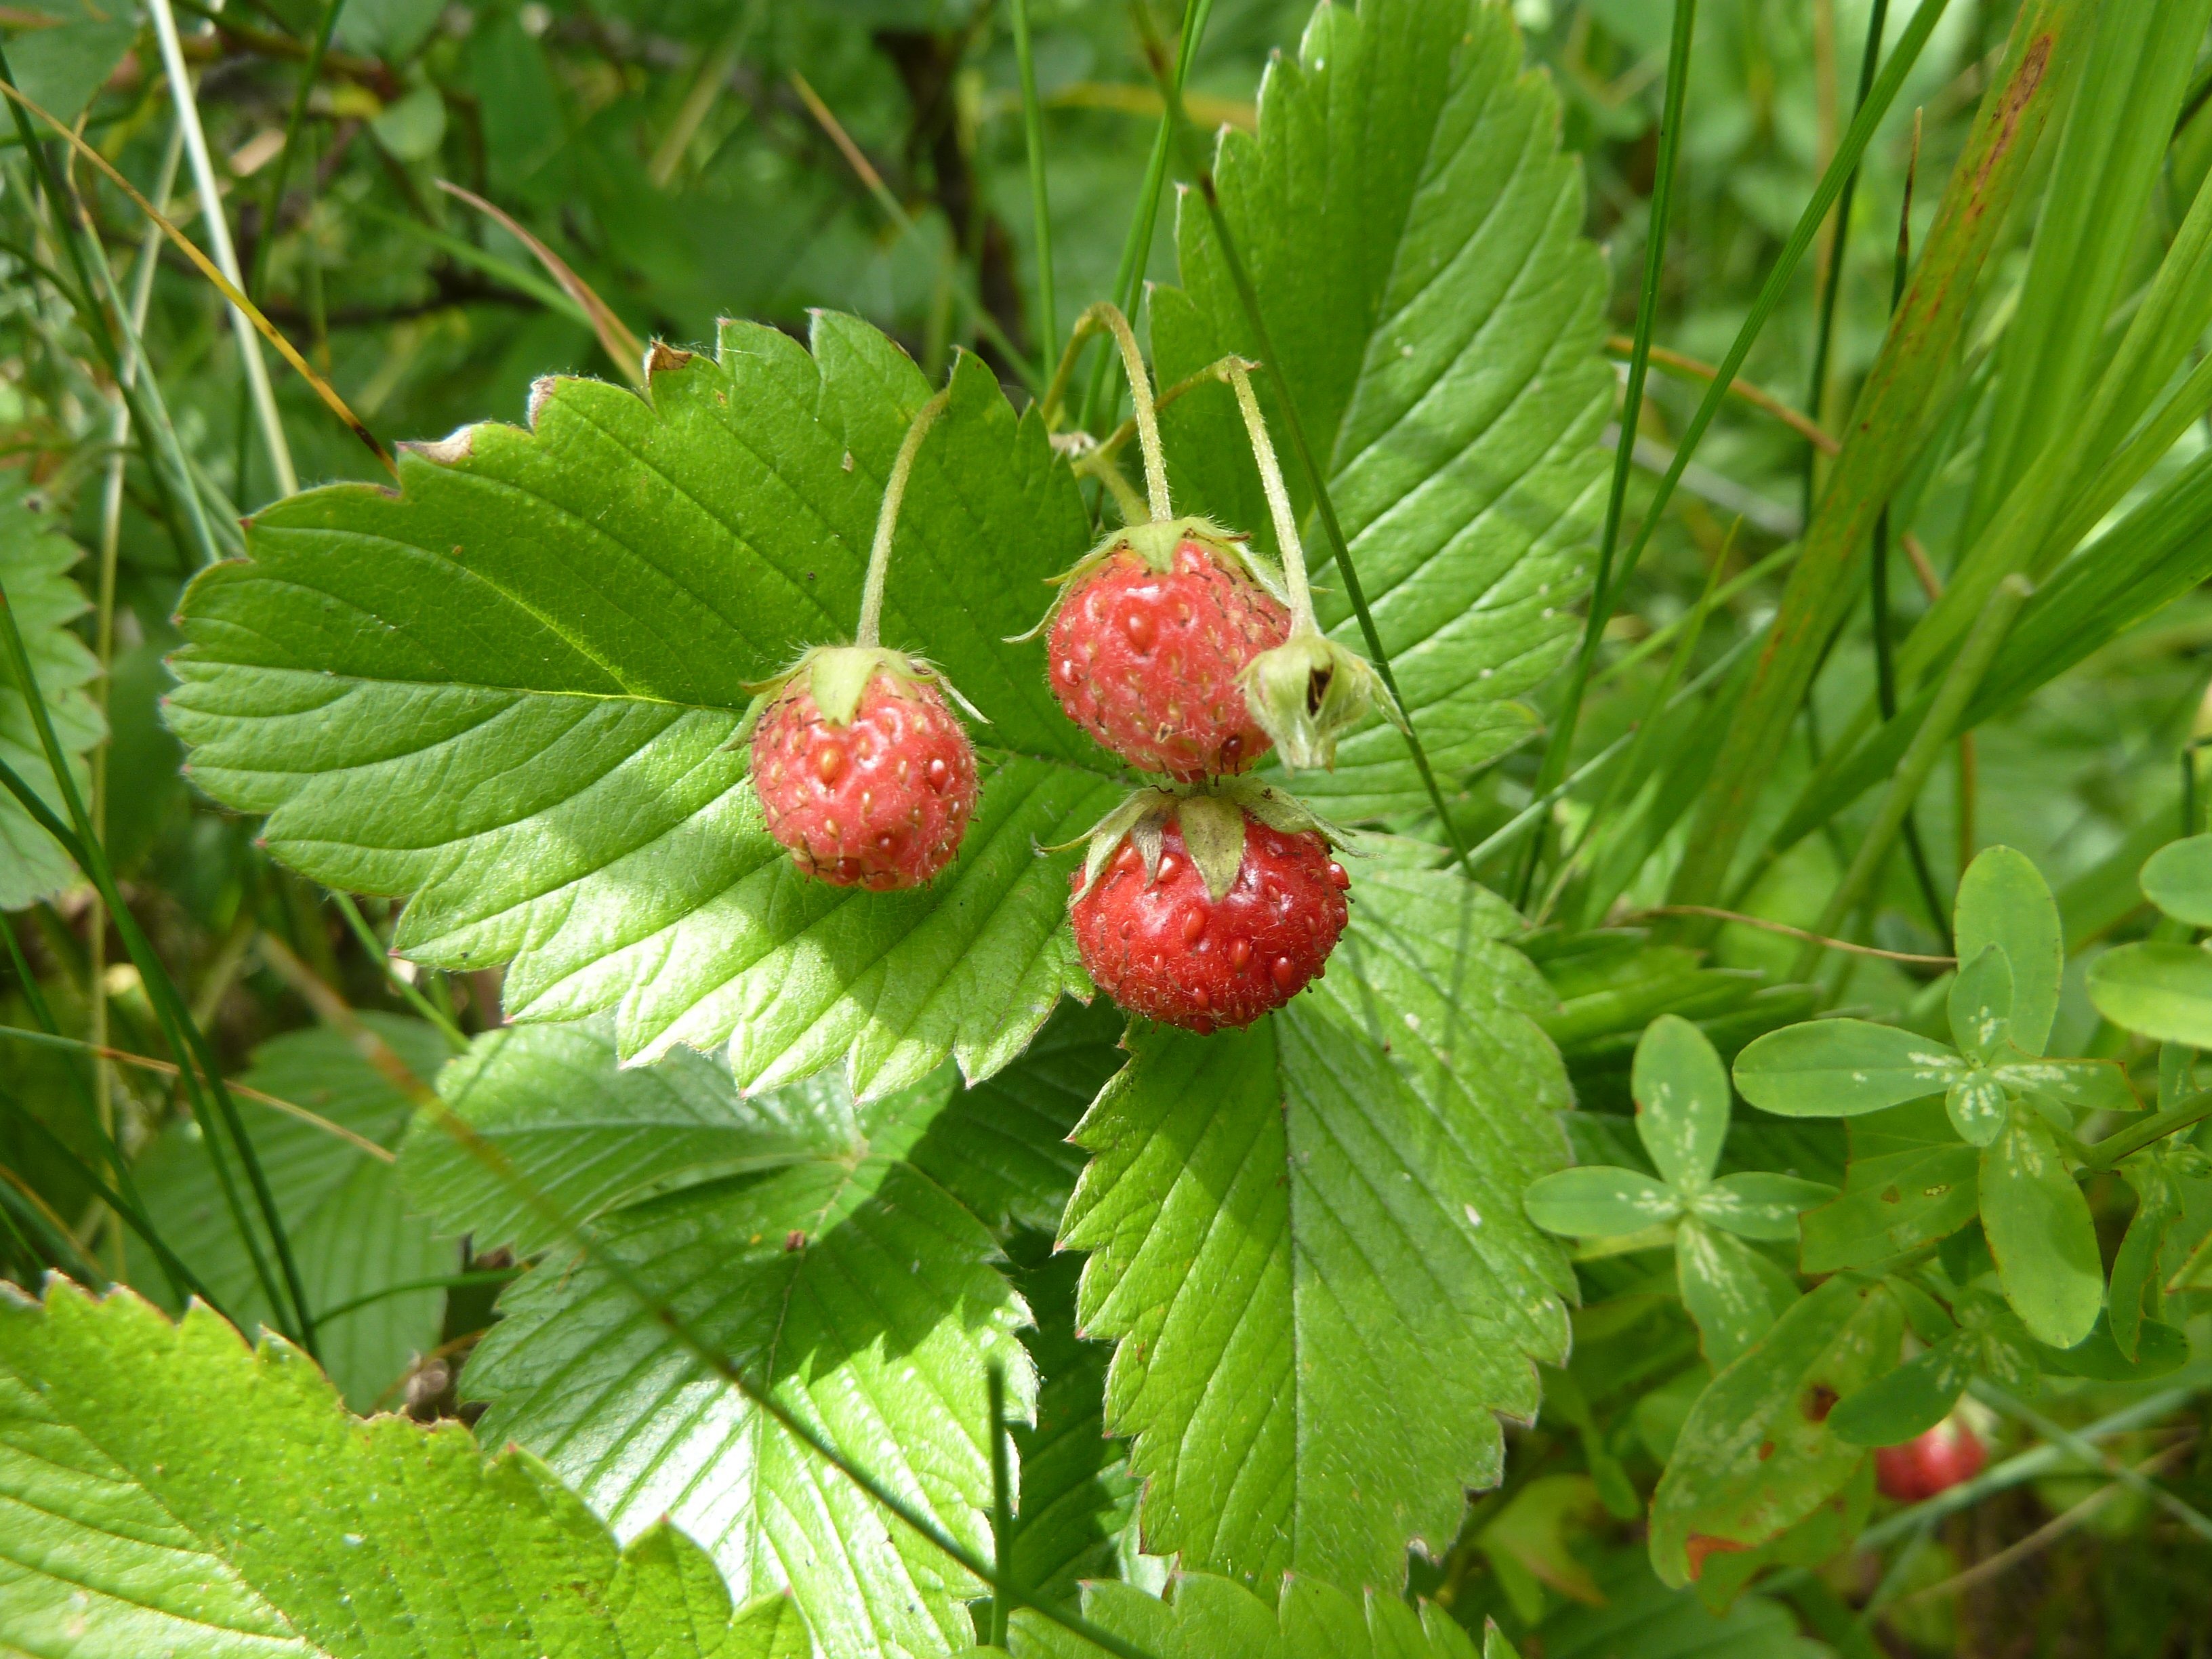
column 1909, row 1182
column 1413, row 232
column 1981, row 1003
column 1204, row 1617
column 2158, row 987
column 1842, row 1067
column 1682, row 1093
column 350, row 1229
column 2041, row 1234
column 507, row 690
column 164, row 1489
column 35, row 564
column 592, row 1139
column 1726, row 1294
column 2178, row 878
column 2004, row 901
column 1600, row 1202
column 1911, row 1399
column 1308, row 1238
column 1757, row 1455
column 1759, row 1203
column 849, row 1283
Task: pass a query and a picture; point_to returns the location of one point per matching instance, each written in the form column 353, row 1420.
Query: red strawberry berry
column 1938, row 1461
column 879, row 801
column 1147, row 661
column 1166, row 950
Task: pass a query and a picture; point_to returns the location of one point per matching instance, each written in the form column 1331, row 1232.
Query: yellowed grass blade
column 622, row 345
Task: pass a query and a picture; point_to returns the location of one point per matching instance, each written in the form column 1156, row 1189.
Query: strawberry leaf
column 1205, row 1617
column 1413, row 232
column 164, row 1489
column 845, row 1280
column 1308, row 1237
column 509, row 690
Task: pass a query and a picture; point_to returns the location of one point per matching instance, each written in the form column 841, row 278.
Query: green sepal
column 1211, row 815
column 837, row 677
column 1308, row 692
column 1155, row 543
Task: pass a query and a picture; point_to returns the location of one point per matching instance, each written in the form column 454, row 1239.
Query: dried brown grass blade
column 624, row 347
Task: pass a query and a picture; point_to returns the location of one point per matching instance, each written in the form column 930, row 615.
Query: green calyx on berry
column 1155, row 542
column 838, row 676
column 1211, row 817
column 1309, row 691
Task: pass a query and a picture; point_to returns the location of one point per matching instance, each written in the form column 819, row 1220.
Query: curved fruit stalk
column 1208, row 907
column 1936, row 1461
column 1154, row 624
column 1307, row 691
column 862, row 769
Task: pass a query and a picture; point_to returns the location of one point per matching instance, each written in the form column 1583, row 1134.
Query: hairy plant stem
column 1288, row 544
column 870, row 630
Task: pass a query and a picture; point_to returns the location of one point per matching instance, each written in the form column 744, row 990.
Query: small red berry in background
column 1147, row 660
column 859, row 764
column 1166, row 947
column 880, row 801
column 1938, row 1461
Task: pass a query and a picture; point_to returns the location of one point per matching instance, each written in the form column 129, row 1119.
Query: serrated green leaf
column 164, row 1490
column 850, row 1285
column 508, row 690
column 1759, row 1204
column 1724, row 1290
column 2157, row 987
column 1682, row 1093
column 1842, row 1067
column 1911, row 1399
column 2178, row 878
column 591, row 1138
column 2041, row 1234
column 350, row 1229
column 1308, row 1238
column 1600, row 1202
column 1413, row 232
column 2004, row 902
column 1205, row 1617
column 1757, row 1455
column 1909, row 1183
column 35, row 563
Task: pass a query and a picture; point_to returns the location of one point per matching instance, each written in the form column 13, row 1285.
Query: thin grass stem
column 1047, row 324
column 410, row 994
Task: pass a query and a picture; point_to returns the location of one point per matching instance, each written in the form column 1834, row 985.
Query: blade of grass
column 279, row 171
column 1560, row 742
column 1137, row 241
column 714, row 70
column 1048, row 324
column 1249, row 299
column 551, row 295
column 442, row 1282
column 615, row 336
column 2137, row 1482
column 183, row 1035
column 410, row 994
column 218, row 235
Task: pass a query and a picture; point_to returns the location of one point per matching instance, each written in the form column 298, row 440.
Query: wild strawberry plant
column 1150, row 1036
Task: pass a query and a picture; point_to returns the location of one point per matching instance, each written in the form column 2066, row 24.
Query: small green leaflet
column 1208, row 1617
column 35, row 563
column 1841, row 1067
column 341, row 1208
column 1413, row 231
column 1258, row 1206
column 1910, row 1182
column 2041, row 1234
column 2003, row 902
column 164, row 1489
column 844, row 1279
column 2159, row 988
column 2178, row 878
column 1757, row 1455
column 507, row 691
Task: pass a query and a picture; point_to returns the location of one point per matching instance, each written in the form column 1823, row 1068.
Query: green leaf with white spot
column 1981, row 1003
column 2004, row 902
column 1725, row 1291
column 1682, row 1093
column 2157, row 987
column 1600, row 1202
column 1757, row 1456
column 351, row 1231
column 1759, row 1203
column 853, row 1287
column 1307, row 1239
column 1414, row 233
column 1842, row 1067
column 1910, row 1400
column 34, row 565
column 508, row 690
column 164, row 1490
column 2041, row 1234
column 1978, row 1107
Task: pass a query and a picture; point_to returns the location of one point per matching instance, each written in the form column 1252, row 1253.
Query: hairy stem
column 1279, row 499
column 879, row 553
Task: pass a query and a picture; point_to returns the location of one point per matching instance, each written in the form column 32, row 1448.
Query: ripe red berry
column 1938, row 1461
column 880, row 801
column 1147, row 661
column 1165, row 949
